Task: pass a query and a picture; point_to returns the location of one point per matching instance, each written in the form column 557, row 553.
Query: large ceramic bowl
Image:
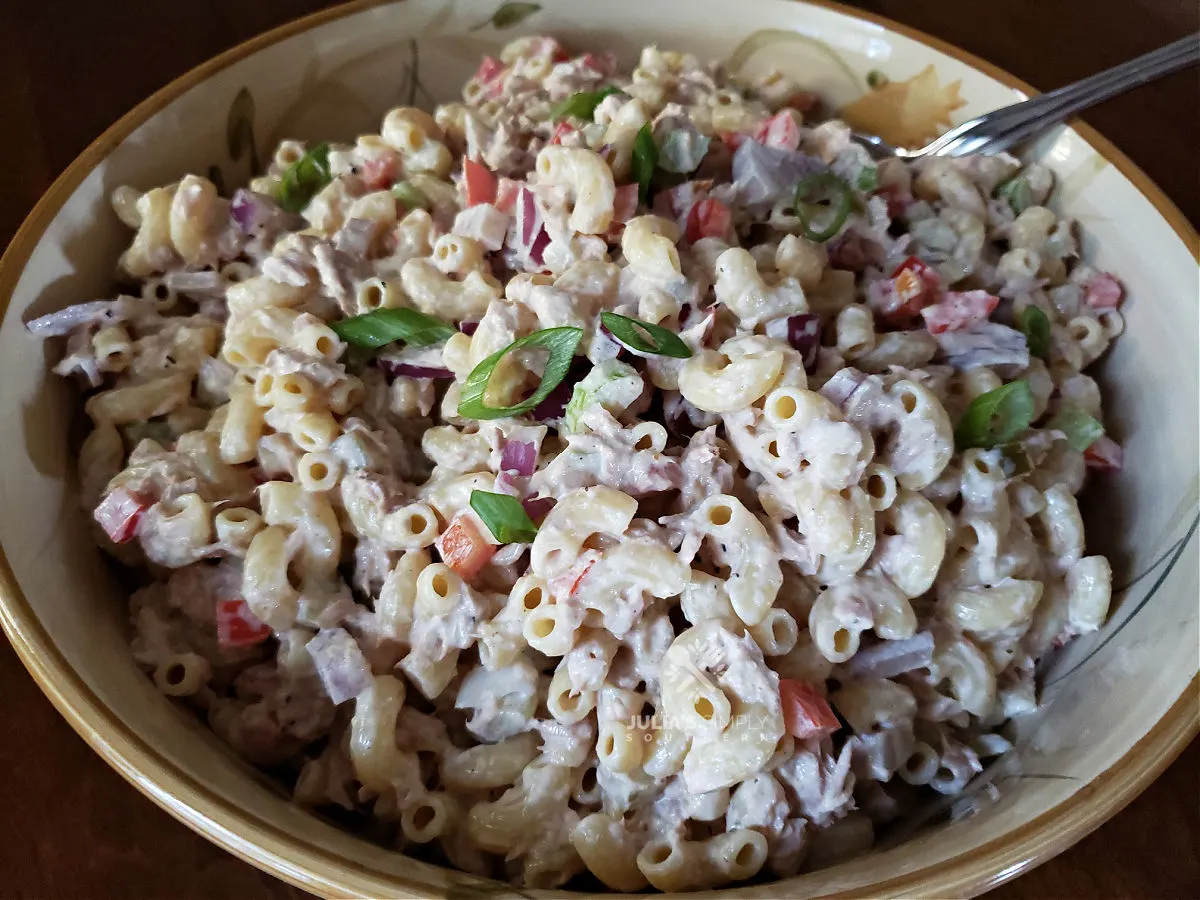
column 1118, row 705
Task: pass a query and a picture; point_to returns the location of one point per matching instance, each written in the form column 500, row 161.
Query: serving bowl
column 1118, row 705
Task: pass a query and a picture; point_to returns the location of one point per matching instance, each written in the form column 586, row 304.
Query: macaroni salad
column 613, row 472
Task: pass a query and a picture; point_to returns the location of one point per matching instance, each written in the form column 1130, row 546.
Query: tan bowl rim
column 317, row 869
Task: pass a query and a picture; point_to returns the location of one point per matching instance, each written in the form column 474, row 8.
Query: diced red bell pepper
column 507, row 192
column 602, row 64
column 804, row 101
column 548, row 46
column 959, row 309
column 732, row 139
column 625, row 203
column 1103, row 291
column 237, row 626
column 1104, row 455
column 779, row 131
column 567, row 584
column 916, row 286
column 897, row 199
column 708, row 218
column 119, row 513
column 489, row 70
column 806, row 714
column 564, row 129
column 481, row 184
column 379, row 171
column 463, row 548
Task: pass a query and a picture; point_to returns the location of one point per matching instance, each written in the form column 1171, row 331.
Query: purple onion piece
column 252, row 211
column 555, row 404
column 841, row 387
column 408, row 370
column 538, row 248
column 804, row 334
column 354, row 238
column 528, row 217
column 763, row 174
column 468, row 328
column 519, row 456
column 340, row 664
column 64, row 321
column 537, row 508
column 888, row 659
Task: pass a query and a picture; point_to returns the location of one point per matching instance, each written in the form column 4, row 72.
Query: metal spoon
column 1002, row 128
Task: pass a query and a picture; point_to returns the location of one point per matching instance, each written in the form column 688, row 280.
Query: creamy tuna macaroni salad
column 616, row 472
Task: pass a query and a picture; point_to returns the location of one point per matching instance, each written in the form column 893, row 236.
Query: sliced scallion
column 384, row 326
column 822, row 205
column 1017, row 192
column 1035, row 325
column 560, row 343
column 411, row 196
column 1081, row 429
column 504, row 516
column 645, row 337
column 304, row 178
column 582, row 105
column 996, row 417
column 644, row 161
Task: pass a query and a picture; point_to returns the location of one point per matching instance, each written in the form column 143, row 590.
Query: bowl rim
column 315, row 868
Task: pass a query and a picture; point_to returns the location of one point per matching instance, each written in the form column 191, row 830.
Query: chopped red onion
column 519, row 456
column 764, row 174
column 340, row 663
column 354, row 238
column 888, row 659
column 537, row 508
column 407, row 370
column 804, row 334
column 987, row 344
column 538, row 250
column 527, row 238
column 841, row 387
column 555, row 404
column 1105, row 455
column 468, row 328
column 253, row 211
column 484, row 223
column 64, row 321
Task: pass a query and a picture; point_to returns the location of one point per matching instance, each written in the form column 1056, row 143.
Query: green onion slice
column 1035, row 325
column 996, row 417
column 504, row 516
column 645, row 337
column 411, row 196
column 876, row 79
column 383, row 326
column 645, row 160
column 559, row 342
column 1081, row 429
column 582, row 105
column 304, row 178
column 822, row 205
column 1014, row 460
column 1017, row 192
column 868, row 179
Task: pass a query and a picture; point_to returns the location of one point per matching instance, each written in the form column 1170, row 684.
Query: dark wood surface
column 71, row 827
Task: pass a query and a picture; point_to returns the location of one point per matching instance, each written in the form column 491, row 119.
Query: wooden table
column 72, row 827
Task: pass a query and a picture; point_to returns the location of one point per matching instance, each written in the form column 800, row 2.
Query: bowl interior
column 333, row 76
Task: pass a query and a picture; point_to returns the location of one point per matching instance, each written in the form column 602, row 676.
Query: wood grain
column 68, row 68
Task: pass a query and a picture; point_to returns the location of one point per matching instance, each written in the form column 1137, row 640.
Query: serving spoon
column 1000, row 129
